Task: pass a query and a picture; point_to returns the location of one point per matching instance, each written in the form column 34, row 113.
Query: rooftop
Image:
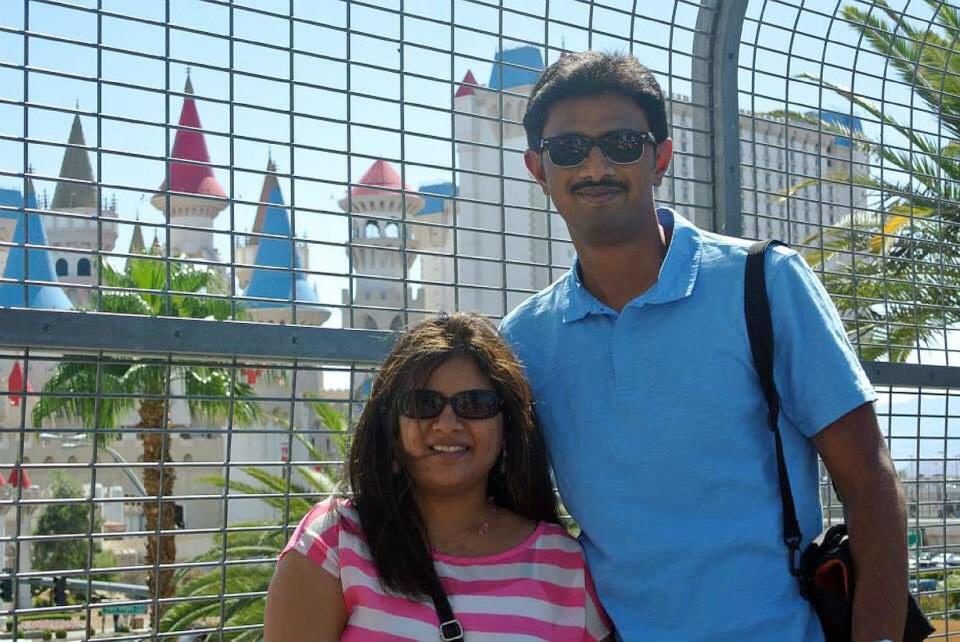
column 75, row 165
column 279, row 252
column 33, row 263
column 516, row 68
column 380, row 175
column 190, row 144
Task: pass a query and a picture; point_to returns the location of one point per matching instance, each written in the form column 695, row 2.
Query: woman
column 451, row 500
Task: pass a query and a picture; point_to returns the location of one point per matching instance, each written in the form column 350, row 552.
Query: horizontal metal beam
column 912, row 375
column 64, row 331
column 94, row 331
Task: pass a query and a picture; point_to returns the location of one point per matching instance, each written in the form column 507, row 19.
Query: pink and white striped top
column 539, row 590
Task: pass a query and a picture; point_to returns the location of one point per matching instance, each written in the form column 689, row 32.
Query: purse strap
column 760, row 332
column 450, row 629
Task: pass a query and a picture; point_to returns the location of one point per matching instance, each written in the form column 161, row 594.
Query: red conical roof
column 381, row 174
column 466, row 85
column 16, row 479
column 190, row 144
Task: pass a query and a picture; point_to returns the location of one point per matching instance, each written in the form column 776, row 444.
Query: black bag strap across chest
column 760, row 332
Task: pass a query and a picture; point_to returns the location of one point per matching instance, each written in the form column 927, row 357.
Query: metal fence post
column 716, row 141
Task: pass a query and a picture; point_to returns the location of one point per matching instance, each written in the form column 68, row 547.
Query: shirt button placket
column 620, row 351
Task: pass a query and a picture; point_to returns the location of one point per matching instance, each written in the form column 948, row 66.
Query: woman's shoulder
column 320, row 533
column 557, row 536
column 333, row 512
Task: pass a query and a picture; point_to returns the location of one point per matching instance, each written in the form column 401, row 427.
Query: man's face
column 601, row 201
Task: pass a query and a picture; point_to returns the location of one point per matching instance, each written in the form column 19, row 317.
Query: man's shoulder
column 541, row 307
column 722, row 250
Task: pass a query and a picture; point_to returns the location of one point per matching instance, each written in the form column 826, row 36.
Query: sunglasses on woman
column 467, row 404
column 621, row 147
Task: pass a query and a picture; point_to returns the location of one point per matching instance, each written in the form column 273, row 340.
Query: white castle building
column 509, row 245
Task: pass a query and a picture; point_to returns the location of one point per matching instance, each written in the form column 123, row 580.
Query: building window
column 372, row 230
column 397, row 323
column 63, row 268
column 83, row 267
column 369, row 323
column 392, row 231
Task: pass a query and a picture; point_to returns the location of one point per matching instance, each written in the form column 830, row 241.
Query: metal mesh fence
column 354, row 166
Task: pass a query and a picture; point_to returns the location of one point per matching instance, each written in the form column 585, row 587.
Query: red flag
column 15, row 384
column 19, row 478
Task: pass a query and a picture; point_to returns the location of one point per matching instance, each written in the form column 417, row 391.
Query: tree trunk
column 159, row 512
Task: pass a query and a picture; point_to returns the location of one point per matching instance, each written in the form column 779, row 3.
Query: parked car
column 923, row 585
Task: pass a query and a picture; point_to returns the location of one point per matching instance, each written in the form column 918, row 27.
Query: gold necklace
column 485, row 526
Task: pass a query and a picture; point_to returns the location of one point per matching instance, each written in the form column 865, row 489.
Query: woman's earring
column 503, row 462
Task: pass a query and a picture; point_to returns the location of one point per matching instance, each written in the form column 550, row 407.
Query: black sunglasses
column 622, row 147
column 467, row 404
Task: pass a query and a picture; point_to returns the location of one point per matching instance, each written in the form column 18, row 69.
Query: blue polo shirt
column 655, row 423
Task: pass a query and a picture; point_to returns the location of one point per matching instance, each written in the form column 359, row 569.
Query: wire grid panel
column 347, row 164
column 853, row 162
column 157, row 485
column 922, row 427
column 358, row 165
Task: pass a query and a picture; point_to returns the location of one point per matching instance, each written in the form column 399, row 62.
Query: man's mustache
column 609, row 184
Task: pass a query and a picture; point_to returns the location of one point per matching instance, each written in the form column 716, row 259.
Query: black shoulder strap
column 450, row 629
column 760, row 332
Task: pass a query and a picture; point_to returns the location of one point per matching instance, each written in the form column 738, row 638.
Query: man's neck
column 617, row 274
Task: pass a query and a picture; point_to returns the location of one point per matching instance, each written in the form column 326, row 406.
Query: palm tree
column 100, row 391
column 258, row 542
column 893, row 268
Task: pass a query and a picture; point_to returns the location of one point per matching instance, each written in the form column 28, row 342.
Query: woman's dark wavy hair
column 392, row 524
column 591, row 73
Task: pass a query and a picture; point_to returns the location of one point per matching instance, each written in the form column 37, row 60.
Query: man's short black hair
column 591, row 73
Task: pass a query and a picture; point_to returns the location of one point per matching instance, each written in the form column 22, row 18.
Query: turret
column 190, row 195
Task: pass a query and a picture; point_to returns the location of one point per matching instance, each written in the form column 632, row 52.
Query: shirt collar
column 676, row 280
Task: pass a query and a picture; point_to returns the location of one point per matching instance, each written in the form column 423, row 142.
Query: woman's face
column 449, row 454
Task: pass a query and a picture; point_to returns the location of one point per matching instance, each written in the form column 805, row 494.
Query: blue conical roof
column 38, row 264
column 277, row 253
column 508, row 68
column 10, row 198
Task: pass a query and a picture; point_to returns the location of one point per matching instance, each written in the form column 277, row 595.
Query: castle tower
column 137, row 245
column 436, row 244
column 190, row 194
column 496, row 185
column 246, row 252
column 31, row 264
column 379, row 211
column 76, row 194
column 278, row 290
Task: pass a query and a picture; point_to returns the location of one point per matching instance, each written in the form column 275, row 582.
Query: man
column 655, row 420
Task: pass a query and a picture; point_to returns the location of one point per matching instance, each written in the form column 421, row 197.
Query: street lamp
column 74, row 441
